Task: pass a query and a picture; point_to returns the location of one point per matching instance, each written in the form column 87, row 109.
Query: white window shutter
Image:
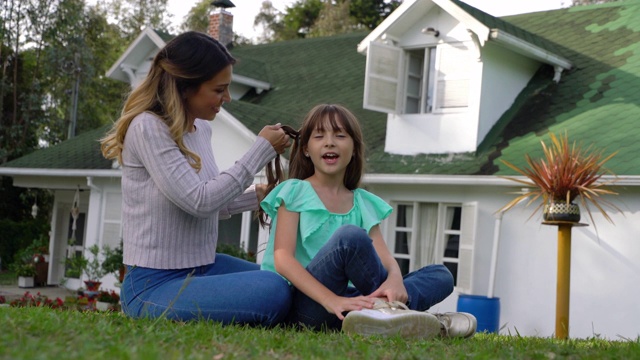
column 467, row 243
column 452, row 85
column 381, row 83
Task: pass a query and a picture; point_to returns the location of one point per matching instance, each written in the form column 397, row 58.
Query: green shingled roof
column 80, row 152
column 304, row 73
column 596, row 102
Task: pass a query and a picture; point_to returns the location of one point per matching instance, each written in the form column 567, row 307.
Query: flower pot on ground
column 26, row 281
column 26, row 273
column 102, row 306
column 92, row 285
column 110, row 298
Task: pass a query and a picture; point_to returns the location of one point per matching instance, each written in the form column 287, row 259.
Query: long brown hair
column 301, row 167
column 182, row 65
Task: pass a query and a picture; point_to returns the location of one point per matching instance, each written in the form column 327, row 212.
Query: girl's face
column 207, row 101
column 330, row 150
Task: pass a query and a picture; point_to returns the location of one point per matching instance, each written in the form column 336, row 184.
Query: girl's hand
column 276, row 136
column 338, row 304
column 392, row 290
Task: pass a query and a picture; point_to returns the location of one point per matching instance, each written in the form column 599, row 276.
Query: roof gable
column 484, row 26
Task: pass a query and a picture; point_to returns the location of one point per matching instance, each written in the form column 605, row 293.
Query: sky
column 245, row 11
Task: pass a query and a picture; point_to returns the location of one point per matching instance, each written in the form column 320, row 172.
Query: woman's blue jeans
column 229, row 291
column 349, row 255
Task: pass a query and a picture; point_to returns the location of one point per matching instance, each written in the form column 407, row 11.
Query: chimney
column 221, row 22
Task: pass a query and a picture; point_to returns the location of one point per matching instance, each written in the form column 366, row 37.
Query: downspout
column 494, row 253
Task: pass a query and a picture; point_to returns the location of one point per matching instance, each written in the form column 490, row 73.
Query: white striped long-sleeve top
column 170, row 212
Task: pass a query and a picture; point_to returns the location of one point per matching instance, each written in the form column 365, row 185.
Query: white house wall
column 604, row 269
column 438, row 132
column 504, row 75
column 230, row 139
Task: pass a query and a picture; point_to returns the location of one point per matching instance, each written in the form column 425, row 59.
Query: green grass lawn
column 43, row 333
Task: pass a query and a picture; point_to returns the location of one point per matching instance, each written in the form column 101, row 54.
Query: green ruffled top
column 317, row 224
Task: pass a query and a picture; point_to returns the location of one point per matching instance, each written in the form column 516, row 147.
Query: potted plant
column 26, row 273
column 564, row 173
column 75, row 265
column 106, row 300
column 112, row 263
column 93, row 269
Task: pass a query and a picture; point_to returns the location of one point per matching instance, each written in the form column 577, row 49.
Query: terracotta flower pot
column 92, row 285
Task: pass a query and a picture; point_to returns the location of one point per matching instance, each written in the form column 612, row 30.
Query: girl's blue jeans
column 349, row 255
column 229, row 291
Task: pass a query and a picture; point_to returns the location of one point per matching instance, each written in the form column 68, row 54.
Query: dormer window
column 432, row 79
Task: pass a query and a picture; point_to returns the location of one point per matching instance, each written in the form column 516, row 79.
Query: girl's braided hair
column 275, row 174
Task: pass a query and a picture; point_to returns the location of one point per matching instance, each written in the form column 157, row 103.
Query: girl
column 173, row 194
column 326, row 241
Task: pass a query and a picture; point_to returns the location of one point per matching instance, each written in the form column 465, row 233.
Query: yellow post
column 564, row 280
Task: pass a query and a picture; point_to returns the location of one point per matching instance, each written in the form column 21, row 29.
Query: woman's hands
column 276, row 136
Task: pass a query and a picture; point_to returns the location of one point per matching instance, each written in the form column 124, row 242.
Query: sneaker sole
column 418, row 325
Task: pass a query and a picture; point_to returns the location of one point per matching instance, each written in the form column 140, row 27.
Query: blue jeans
column 229, row 291
column 349, row 255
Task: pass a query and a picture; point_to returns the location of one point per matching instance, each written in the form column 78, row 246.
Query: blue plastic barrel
column 485, row 309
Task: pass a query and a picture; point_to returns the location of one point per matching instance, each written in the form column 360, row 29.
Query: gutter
column 7, row 171
column 530, row 49
column 473, row 180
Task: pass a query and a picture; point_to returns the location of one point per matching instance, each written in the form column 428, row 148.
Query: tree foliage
column 48, row 48
column 322, row 17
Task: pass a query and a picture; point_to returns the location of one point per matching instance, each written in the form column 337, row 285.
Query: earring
column 306, row 154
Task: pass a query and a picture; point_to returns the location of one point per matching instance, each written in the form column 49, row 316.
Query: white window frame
column 387, row 72
column 467, row 232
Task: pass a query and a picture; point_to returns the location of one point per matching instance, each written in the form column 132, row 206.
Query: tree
column 133, row 16
column 197, row 18
column 302, row 17
column 333, row 20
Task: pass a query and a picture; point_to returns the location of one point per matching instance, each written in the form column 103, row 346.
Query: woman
column 174, row 194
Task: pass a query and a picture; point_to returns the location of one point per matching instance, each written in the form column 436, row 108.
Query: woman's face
column 207, row 101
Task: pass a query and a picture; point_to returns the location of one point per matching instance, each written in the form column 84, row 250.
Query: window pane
column 405, row 216
column 413, row 106
column 402, row 242
column 454, row 213
column 452, row 246
column 453, row 267
column 404, row 265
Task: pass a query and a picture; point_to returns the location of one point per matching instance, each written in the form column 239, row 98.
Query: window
column 421, row 77
column 435, row 233
column 416, row 81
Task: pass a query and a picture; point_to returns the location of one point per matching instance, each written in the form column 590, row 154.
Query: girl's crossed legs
column 349, row 255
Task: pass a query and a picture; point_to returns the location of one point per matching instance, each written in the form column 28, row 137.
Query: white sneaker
column 457, row 324
column 389, row 319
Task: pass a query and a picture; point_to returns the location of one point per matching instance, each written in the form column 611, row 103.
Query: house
column 444, row 92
